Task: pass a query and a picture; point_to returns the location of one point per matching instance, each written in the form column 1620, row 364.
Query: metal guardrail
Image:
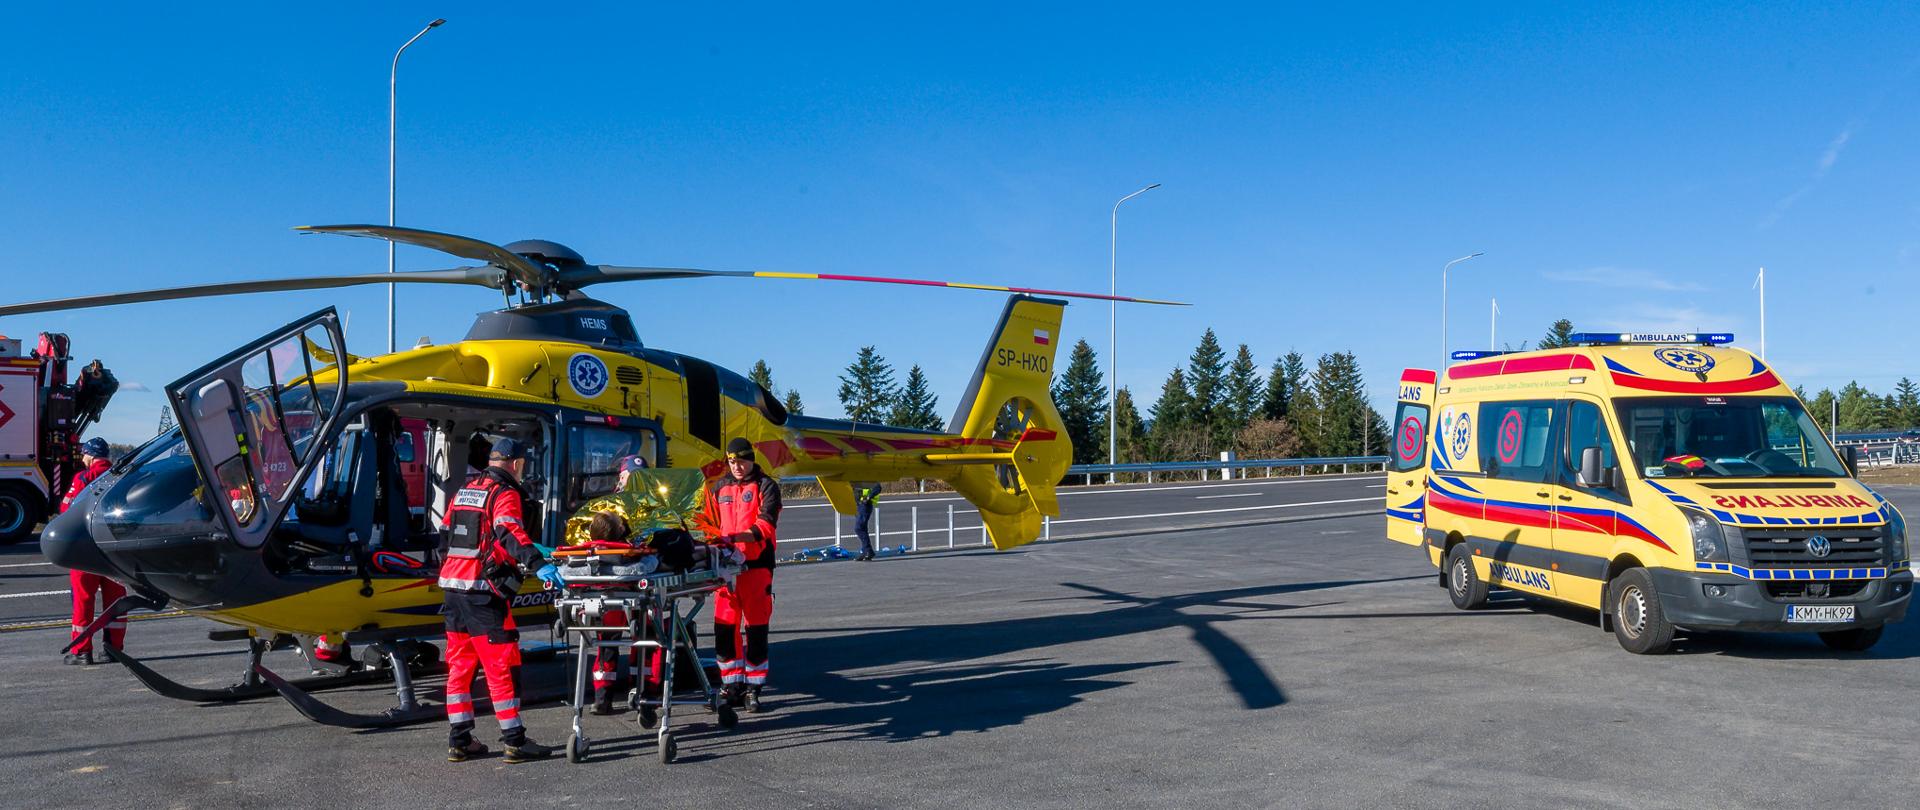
column 1345, row 463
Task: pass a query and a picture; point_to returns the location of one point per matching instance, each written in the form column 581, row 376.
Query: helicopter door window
column 593, row 459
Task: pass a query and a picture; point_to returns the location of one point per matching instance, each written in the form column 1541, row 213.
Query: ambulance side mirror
column 1591, row 474
column 1850, row 456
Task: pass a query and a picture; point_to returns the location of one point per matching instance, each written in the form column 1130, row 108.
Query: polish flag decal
column 1041, row 337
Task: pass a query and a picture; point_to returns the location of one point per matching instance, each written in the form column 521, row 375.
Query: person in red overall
column 483, row 550
column 607, row 528
column 742, row 509
column 94, row 463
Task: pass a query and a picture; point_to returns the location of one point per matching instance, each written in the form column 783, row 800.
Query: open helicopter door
column 254, row 420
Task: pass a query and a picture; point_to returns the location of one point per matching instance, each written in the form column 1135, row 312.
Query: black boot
column 753, row 700
column 462, row 753
column 526, row 751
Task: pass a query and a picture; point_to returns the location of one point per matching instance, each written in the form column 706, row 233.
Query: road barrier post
column 836, row 528
column 949, row 525
column 916, row 528
column 983, row 529
column 1046, row 527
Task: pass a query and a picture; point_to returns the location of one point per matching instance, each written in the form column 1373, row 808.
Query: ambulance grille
column 629, row 375
column 1852, row 547
column 1842, row 589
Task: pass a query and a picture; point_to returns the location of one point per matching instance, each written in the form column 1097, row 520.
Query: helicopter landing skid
column 253, row 689
column 407, row 711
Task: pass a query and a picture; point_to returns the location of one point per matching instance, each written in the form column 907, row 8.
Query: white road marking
column 1064, row 493
column 24, row 565
column 61, row 592
column 1230, row 495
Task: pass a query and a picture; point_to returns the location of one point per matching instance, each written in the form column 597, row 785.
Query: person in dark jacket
column 866, row 496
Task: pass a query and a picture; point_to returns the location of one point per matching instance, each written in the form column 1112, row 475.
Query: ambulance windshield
column 1726, row 437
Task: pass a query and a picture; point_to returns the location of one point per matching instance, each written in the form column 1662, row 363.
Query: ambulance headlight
column 1897, row 537
column 1709, row 541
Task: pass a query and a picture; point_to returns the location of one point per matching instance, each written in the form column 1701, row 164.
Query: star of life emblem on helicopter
column 587, row 375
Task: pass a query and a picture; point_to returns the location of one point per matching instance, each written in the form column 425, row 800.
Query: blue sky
column 1623, row 166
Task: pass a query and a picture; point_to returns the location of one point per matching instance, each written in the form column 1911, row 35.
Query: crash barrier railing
column 1227, row 466
column 1887, row 455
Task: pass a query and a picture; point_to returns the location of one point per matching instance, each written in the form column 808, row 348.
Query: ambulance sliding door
column 1407, row 462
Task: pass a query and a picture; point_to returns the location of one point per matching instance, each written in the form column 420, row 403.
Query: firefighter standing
column 742, row 509
column 94, row 463
column 484, row 550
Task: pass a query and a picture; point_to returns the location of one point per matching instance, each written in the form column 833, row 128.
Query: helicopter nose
column 67, row 542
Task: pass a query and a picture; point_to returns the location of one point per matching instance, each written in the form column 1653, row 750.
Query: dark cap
column 507, row 450
column 96, row 447
column 740, row 448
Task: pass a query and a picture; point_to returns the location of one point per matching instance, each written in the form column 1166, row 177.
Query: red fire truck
column 42, row 415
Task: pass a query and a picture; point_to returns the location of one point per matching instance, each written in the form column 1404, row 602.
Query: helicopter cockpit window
column 594, row 455
column 283, row 405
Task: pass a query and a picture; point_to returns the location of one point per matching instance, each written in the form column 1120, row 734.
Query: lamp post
column 1443, row 305
column 1113, row 330
column 1760, row 283
column 393, row 120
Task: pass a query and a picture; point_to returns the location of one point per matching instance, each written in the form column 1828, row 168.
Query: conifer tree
column 761, row 375
column 1243, row 396
column 1559, row 335
column 792, row 402
column 1080, row 394
column 1206, row 380
column 867, row 389
column 1131, row 446
column 1906, row 404
column 1283, row 384
column 915, row 404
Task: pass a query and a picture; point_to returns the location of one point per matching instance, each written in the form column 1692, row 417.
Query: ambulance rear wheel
column 1858, row 639
column 1639, row 622
column 1463, row 585
column 20, row 510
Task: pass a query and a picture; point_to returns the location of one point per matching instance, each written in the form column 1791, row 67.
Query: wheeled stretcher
column 659, row 608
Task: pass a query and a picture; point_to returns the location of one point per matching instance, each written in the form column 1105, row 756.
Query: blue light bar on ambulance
column 1477, row 354
column 1623, row 338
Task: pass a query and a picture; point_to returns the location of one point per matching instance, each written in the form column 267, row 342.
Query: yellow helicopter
column 283, row 505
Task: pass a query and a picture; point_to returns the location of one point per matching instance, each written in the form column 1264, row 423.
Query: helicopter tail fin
column 1008, row 414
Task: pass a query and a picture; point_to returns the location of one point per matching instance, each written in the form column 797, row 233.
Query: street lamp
column 1113, row 331
column 393, row 98
column 1443, row 305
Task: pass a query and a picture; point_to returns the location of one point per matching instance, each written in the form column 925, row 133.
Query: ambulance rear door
column 1407, row 458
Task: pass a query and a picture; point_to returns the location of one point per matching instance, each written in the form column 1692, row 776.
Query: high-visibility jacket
column 485, row 545
column 82, row 478
column 745, row 513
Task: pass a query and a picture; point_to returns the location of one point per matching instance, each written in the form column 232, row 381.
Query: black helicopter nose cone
column 66, row 542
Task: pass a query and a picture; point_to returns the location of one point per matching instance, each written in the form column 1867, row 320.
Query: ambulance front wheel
column 1639, row 621
column 1465, row 587
column 1858, row 639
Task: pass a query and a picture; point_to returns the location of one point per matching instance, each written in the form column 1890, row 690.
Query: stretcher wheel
column 649, row 717
column 667, row 748
column 576, row 748
column 728, row 717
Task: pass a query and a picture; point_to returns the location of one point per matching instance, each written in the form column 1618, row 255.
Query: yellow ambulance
column 1669, row 481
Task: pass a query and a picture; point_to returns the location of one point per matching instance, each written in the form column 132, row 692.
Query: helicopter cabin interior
column 387, row 479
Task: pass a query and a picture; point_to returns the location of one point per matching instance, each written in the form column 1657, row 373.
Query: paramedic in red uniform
column 94, row 463
column 742, row 508
column 483, row 550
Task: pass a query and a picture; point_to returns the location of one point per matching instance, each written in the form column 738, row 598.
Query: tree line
column 868, row 393
column 1213, row 404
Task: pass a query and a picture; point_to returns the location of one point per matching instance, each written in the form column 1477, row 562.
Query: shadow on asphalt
column 940, row 686
column 1901, row 641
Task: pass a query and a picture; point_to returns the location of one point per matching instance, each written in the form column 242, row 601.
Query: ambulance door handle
column 1566, row 497
column 1542, row 493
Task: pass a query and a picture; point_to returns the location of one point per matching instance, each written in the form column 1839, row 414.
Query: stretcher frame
column 655, row 599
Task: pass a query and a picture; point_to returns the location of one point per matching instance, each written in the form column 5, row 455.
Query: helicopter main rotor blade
column 480, row 276
column 523, row 270
column 581, row 277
